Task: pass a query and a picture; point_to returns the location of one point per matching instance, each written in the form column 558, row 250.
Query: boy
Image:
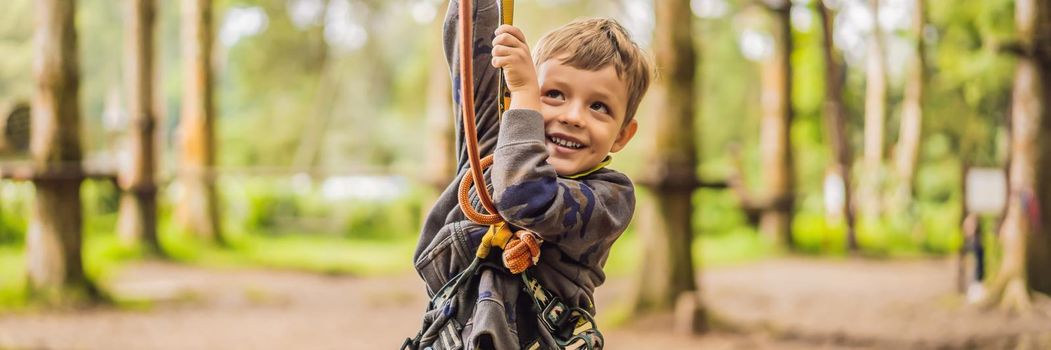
column 569, row 110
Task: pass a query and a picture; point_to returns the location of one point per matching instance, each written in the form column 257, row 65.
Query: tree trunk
column 775, row 139
column 138, row 203
column 308, row 153
column 198, row 211
column 667, row 265
column 439, row 152
column 908, row 149
column 835, row 122
column 53, row 245
column 1026, row 245
column 875, row 118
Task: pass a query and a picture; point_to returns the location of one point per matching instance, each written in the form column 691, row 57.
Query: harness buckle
column 554, row 314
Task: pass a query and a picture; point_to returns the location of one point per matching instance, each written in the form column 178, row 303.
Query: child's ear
column 625, row 135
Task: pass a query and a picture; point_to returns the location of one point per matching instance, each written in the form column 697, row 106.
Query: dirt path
column 781, row 304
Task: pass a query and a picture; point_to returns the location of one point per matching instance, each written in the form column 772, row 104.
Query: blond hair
column 593, row 44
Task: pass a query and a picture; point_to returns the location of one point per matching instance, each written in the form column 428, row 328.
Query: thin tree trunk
column 775, row 139
column 908, row 149
column 138, row 204
column 439, row 153
column 198, row 210
column 308, row 153
column 53, row 245
column 835, row 122
column 875, row 119
column 309, row 150
column 667, row 265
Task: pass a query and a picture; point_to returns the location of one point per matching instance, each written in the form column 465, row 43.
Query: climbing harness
column 571, row 327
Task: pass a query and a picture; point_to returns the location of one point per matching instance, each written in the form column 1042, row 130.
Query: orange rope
column 465, row 201
column 523, row 249
column 467, row 95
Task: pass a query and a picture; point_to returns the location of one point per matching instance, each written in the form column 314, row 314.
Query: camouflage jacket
column 579, row 219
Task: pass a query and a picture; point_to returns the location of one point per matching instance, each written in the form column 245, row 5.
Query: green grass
column 733, row 249
column 12, row 277
column 104, row 255
column 303, row 252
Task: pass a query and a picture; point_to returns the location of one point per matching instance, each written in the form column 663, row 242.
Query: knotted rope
column 521, row 249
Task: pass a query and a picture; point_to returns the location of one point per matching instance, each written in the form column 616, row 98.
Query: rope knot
column 522, row 251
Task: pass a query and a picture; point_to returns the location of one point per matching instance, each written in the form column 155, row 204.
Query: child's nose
column 574, row 117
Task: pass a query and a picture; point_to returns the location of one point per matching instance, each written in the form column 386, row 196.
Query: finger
column 504, row 51
column 510, row 29
column 506, row 39
column 499, row 62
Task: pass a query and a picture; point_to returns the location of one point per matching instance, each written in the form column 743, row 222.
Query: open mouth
column 561, row 141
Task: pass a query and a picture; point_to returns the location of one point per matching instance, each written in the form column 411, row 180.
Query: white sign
column 986, row 190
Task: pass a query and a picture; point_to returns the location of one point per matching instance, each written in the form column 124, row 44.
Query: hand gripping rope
column 571, row 327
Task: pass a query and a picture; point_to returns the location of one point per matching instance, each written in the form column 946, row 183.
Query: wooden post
column 138, row 204
column 667, row 266
column 53, row 244
column 775, row 138
column 198, row 210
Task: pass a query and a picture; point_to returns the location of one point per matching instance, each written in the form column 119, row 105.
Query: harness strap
column 572, row 328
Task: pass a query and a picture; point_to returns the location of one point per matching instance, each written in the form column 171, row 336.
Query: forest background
column 331, row 117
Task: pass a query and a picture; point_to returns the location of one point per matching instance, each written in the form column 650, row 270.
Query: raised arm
column 486, row 19
column 579, row 215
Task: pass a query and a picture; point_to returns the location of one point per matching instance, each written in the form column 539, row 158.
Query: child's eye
column 600, row 107
column 553, row 94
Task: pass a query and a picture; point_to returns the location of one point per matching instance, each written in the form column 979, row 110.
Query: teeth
column 565, row 143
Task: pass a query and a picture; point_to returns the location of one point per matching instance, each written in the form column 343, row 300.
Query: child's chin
column 563, row 168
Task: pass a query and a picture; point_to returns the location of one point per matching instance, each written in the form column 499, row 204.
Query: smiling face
column 584, row 114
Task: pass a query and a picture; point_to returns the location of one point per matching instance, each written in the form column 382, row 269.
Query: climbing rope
column 470, row 128
column 519, row 253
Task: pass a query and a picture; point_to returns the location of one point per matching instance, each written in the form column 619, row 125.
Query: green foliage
column 813, row 234
column 15, row 28
column 14, row 212
column 301, row 252
column 718, row 214
column 970, row 81
column 287, row 247
column 12, row 277
column 267, row 205
column 397, row 218
column 99, row 198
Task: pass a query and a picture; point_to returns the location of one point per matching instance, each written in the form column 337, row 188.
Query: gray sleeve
column 582, row 216
column 486, row 19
